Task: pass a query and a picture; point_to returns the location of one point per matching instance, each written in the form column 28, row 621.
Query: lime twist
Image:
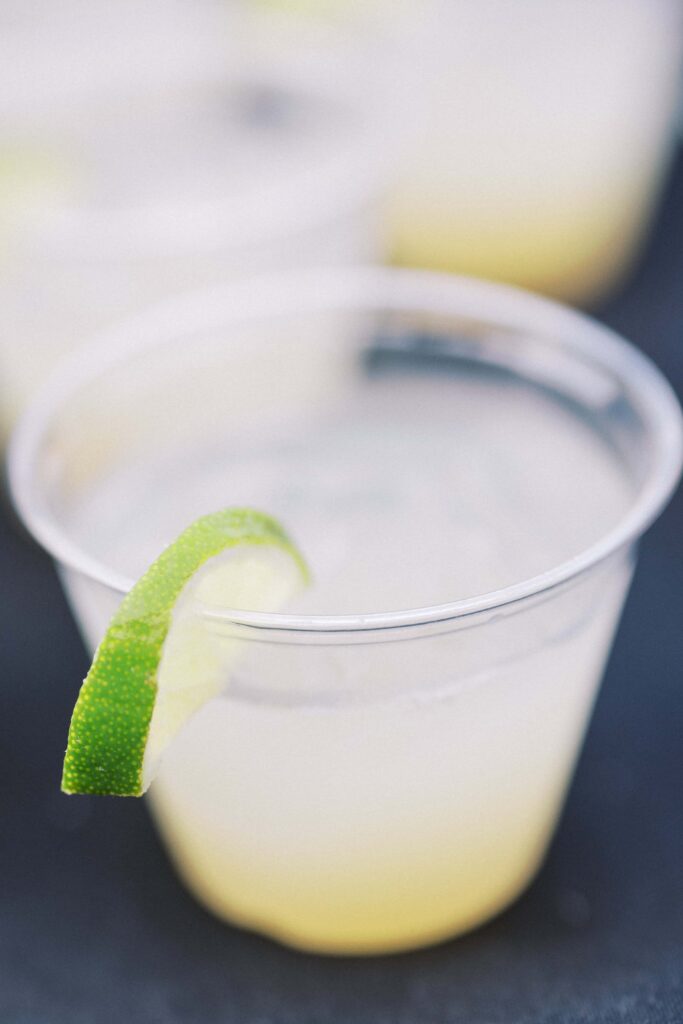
column 159, row 660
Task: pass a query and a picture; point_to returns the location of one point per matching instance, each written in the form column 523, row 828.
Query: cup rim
column 373, row 287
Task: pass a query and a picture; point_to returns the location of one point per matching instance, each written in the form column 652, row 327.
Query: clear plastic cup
column 468, row 470
column 115, row 201
column 535, row 136
column 546, row 132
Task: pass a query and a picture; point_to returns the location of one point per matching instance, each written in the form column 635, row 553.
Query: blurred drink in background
column 124, row 183
column 547, row 128
column 535, row 134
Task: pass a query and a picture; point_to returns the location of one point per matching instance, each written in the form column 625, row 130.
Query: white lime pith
column 157, row 663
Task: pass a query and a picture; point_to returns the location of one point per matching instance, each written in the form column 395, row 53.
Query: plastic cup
column 390, row 756
column 115, row 200
column 540, row 153
column 530, row 151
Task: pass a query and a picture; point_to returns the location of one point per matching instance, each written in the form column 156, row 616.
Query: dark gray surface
column 95, row 929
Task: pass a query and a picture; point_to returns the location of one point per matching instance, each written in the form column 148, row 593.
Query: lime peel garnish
column 158, row 663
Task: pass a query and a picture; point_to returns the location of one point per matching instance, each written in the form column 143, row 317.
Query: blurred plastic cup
column 468, row 470
column 536, row 135
column 119, row 196
column 546, row 129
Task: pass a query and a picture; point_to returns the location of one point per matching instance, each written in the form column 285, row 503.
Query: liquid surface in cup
column 377, row 796
column 407, row 491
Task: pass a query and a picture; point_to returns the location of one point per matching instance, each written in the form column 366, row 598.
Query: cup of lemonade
column 467, row 470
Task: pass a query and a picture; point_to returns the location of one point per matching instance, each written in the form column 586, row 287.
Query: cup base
column 363, row 934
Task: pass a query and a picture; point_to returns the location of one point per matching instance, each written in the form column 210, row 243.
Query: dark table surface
column 95, row 928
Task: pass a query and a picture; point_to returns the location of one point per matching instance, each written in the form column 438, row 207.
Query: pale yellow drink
column 529, row 139
column 543, row 133
column 357, row 797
